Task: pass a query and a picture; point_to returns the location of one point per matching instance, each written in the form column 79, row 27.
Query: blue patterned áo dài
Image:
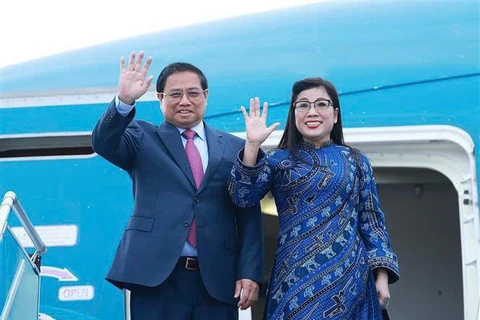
column 332, row 231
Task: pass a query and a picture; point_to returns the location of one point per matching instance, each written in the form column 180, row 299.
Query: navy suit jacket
column 229, row 239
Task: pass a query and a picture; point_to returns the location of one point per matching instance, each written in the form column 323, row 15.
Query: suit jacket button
column 186, row 223
column 196, row 200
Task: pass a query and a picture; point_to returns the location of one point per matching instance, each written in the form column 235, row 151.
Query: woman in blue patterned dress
column 333, row 259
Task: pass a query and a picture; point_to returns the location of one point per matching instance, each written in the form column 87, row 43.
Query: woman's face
column 316, row 122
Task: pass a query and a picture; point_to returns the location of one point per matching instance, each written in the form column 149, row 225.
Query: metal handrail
column 10, row 202
column 13, row 291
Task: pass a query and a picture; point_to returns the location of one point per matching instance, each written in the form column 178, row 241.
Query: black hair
column 292, row 138
column 179, row 67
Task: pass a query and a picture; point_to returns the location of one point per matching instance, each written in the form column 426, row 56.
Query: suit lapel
column 215, row 141
column 171, row 138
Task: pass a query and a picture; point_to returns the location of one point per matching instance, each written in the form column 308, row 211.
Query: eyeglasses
column 177, row 95
column 319, row 104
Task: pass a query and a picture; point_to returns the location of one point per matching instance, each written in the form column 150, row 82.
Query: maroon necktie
column 197, row 169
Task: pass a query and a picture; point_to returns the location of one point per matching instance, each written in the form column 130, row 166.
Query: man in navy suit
column 187, row 253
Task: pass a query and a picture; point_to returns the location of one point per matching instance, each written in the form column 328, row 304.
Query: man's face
column 183, row 101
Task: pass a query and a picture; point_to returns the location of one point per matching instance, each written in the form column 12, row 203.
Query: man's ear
column 160, row 97
column 206, row 94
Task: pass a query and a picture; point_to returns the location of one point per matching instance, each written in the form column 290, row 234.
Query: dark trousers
column 385, row 315
column 182, row 296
